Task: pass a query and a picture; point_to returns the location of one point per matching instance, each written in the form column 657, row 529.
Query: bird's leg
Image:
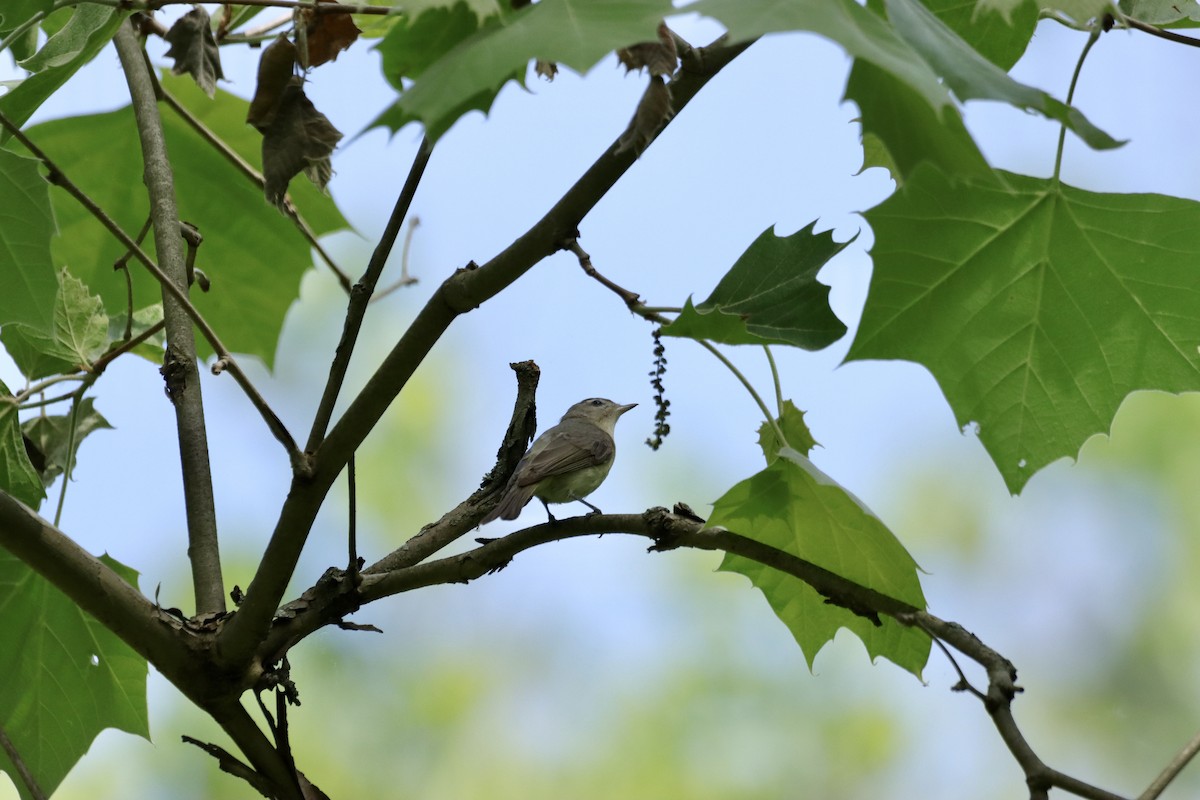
column 547, row 507
column 594, row 509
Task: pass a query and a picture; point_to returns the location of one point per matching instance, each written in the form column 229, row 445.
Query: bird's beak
column 622, row 409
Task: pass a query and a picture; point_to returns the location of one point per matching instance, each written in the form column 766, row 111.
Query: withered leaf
column 275, row 70
column 326, row 35
column 653, row 111
column 299, row 138
column 659, row 57
column 546, row 69
column 195, row 50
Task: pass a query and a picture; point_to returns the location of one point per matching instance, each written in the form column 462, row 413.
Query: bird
column 567, row 462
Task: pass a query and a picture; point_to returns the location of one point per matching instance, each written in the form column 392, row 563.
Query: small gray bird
column 567, row 462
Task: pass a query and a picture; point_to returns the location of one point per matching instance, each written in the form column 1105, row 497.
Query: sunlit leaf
column 1037, row 306
column 792, row 506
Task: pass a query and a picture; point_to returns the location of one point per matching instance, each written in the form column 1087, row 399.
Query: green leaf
column 972, row 77
column 573, row 33
column 143, row 320
column 1037, row 306
column 795, row 431
column 14, row 12
column 770, row 295
column 1161, row 12
column 52, row 434
column 1001, row 41
column 27, row 282
column 92, row 27
column 254, row 256
column 66, row 676
column 79, row 335
column 862, row 33
column 421, row 36
column 17, row 475
column 793, row 506
column 904, row 131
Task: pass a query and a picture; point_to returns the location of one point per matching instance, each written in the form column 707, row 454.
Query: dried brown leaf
column 658, row 57
column 326, row 36
column 275, row 70
column 299, row 139
column 195, row 50
column 653, row 111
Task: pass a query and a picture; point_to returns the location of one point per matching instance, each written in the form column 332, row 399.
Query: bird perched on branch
column 566, row 463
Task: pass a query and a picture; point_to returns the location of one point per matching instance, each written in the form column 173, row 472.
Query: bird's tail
column 515, row 498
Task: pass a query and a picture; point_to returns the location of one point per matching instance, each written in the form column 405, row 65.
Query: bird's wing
column 567, row 451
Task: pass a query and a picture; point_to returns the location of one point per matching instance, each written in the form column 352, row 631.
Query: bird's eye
column 597, row 402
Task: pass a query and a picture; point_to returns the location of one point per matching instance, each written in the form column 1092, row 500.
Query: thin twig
column 633, row 301
column 1154, row 30
column 360, row 296
column 1172, row 770
column 405, row 278
column 256, row 177
column 23, row 771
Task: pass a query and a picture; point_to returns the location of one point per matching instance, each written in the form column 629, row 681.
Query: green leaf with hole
column 1038, row 307
column 66, row 676
column 79, row 334
column 793, row 506
column 770, row 296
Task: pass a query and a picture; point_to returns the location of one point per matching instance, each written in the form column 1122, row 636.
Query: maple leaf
column 299, row 138
column 653, row 110
column 195, row 50
column 326, row 35
column 660, row 57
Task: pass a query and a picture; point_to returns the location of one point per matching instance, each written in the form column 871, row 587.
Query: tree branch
column 179, row 369
column 360, row 296
column 463, row 291
column 93, row 586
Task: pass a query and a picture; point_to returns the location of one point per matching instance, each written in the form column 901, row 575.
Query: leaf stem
column 729, row 365
column 62, row 495
column 775, row 379
column 1062, row 131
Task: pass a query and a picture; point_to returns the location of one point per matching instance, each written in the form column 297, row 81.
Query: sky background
column 589, row 665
